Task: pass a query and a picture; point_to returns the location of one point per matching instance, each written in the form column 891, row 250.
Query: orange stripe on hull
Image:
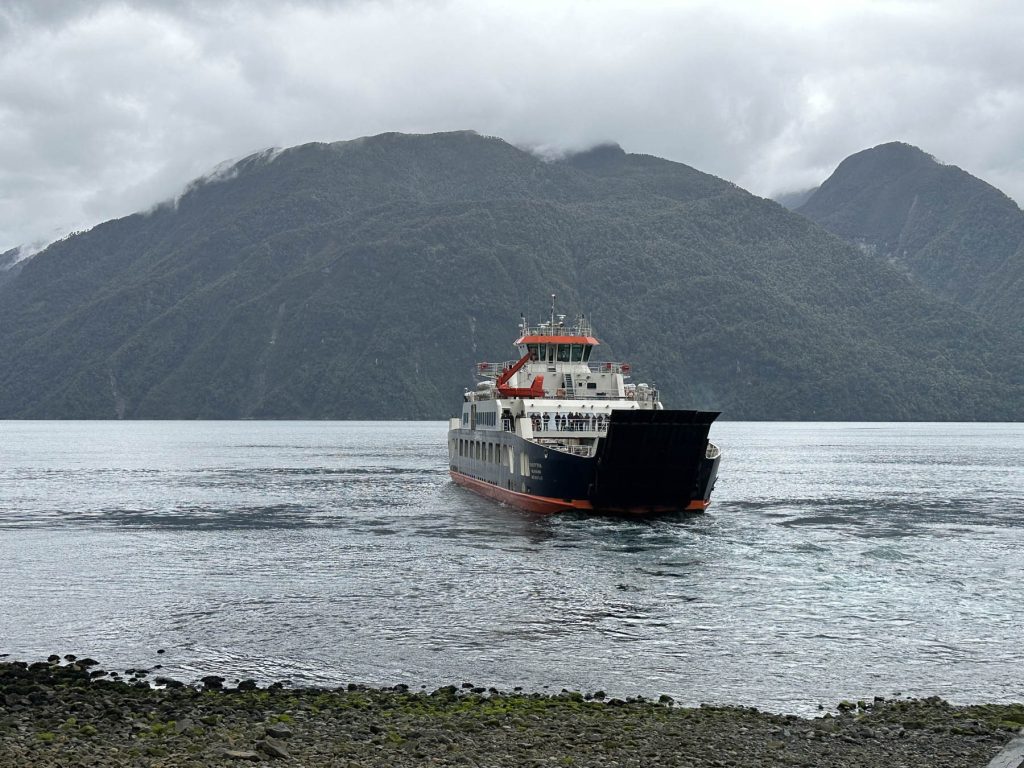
column 693, row 506
column 547, row 505
column 527, row 501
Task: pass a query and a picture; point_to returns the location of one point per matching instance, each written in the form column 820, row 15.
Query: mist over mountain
column 363, row 279
column 9, row 264
column 952, row 233
column 793, row 200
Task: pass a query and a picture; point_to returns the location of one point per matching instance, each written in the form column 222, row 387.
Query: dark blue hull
column 648, row 462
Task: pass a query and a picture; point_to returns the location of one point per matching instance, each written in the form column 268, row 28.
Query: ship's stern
column 655, row 461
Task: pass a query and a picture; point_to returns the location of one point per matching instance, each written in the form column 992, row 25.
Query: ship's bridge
column 555, row 363
column 554, row 342
column 558, row 349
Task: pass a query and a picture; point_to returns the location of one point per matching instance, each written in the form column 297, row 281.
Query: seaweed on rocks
column 54, row 714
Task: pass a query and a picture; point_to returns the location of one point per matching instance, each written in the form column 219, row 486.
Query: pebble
column 273, row 747
column 241, row 754
column 214, row 682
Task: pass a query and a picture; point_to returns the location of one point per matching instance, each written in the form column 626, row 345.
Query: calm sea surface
column 837, row 561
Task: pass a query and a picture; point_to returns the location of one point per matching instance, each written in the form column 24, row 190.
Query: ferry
column 556, row 431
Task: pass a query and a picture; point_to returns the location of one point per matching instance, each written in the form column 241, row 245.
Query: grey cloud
column 107, row 108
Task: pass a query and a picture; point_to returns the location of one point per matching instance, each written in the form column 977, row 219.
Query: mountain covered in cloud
column 364, row 279
column 793, row 200
column 953, row 234
column 10, row 264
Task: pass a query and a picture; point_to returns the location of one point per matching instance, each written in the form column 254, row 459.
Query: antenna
column 552, row 310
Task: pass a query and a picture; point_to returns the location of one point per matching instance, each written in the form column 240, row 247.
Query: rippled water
column 837, row 561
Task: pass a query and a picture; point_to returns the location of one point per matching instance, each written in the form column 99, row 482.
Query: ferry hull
column 650, row 462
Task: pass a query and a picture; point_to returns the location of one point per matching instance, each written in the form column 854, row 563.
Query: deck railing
column 581, row 427
column 493, row 370
column 580, row 326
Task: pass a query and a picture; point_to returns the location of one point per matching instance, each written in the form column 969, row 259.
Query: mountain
column 793, row 200
column 952, row 233
column 10, row 264
column 364, row 279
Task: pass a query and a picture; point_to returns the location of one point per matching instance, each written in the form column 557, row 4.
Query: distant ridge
column 954, row 234
column 364, row 279
column 793, row 200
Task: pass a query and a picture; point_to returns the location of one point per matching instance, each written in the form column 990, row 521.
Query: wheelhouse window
column 577, row 352
column 563, row 353
column 586, row 351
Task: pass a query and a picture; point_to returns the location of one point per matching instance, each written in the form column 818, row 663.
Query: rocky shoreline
column 67, row 712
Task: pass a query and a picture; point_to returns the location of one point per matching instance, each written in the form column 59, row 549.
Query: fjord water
column 837, row 561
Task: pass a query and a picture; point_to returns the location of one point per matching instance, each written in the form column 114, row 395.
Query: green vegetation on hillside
column 952, row 233
column 364, row 279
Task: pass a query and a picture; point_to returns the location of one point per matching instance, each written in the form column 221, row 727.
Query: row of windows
column 480, row 450
column 487, row 419
column 561, row 353
column 492, row 454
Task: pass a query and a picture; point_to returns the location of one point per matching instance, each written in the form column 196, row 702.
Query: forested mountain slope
column 364, row 279
column 952, row 233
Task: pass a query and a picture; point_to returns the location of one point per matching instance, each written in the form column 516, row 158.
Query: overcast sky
column 109, row 107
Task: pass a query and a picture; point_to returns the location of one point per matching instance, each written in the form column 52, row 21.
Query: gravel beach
column 68, row 712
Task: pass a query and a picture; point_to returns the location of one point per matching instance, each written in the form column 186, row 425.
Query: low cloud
column 108, row 108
